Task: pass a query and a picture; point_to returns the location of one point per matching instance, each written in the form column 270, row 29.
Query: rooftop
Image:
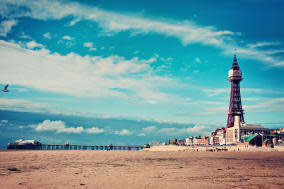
column 248, row 138
column 251, row 126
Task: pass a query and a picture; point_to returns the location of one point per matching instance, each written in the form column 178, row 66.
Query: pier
column 71, row 147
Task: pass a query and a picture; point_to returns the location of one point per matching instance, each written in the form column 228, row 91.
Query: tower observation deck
column 235, row 107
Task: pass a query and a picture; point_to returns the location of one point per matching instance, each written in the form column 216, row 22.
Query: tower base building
column 240, row 129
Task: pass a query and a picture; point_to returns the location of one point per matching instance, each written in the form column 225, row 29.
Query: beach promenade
column 141, row 169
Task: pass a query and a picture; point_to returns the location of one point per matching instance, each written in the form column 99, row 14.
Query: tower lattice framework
column 235, row 107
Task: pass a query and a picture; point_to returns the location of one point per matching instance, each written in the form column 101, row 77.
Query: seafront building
column 237, row 130
column 218, row 137
column 240, row 130
column 189, row 141
column 201, row 141
column 277, row 131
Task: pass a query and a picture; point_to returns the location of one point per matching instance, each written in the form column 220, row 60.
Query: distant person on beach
column 109, row 147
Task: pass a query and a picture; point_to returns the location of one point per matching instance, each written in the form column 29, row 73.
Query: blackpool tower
column 235, row 108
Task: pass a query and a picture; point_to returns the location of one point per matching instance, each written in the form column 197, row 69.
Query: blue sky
column 158, row 67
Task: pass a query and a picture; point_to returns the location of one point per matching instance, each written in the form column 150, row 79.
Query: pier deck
column 71, row 147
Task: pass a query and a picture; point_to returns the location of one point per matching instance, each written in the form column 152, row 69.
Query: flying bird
column 5, row 88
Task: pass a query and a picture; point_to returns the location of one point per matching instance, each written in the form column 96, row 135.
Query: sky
column 131, row 72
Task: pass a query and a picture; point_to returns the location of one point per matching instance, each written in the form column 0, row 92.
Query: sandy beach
column 141, row 169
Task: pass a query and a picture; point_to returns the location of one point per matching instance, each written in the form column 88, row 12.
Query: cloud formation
column 268, row 105
column 123, row 132
column 83, row 76
column 94, row 130
column 111, row 22
column 263, row 44
column 187, row 32
column 57, row 126
column 149, row 129
column 60, row 127
column 174, row 131
column 47, row 35
column 67, row 37
column 6, row 26
column 33, row 44
column 219, row 91
column 196, row 130
column 22, row 105
column 90, row 46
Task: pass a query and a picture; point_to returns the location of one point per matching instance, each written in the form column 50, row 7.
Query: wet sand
column 140, row 169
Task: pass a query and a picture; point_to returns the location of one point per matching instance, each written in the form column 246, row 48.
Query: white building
column 218, row 137
column 234, row 134
column 189, row 141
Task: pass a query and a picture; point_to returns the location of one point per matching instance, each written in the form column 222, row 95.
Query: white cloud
column 260, row 105
column 197, row 60
column 186, row 31
column 24, row 36
column 66, row 37
column 216, row 91
column 272, row 52
column 264, row 56
column 123, row 132
column 149, row 129
column 196, row 130
column 263, row 44
column 3, row 122
column 141, row 134
column 90, row 46
column 217, row 110
column 73, row 22
column 219, row 91
column 47, row 35
column 93, row 76
column 60, row 127
column 208, row 102
column 57, row 126
column 6, row 26
column 23, row 105
column 33, row 44
column 94, row 130
column 169, row 131
column 111, row 22
column 269, row 105
column 253, row 99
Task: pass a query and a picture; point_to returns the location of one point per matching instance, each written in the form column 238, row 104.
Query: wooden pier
column 71, row 147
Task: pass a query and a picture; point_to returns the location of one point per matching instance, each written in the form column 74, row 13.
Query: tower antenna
column 235, row 51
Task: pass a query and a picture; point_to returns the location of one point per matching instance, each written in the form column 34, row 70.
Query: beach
column 141, row 169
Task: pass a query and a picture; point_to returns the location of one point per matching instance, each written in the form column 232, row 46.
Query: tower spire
column 235, row 107
column 235, row 64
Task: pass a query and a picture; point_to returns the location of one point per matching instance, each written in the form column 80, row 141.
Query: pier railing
column 71, row 147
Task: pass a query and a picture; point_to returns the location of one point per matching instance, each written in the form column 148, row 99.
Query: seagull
column 5, row 88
